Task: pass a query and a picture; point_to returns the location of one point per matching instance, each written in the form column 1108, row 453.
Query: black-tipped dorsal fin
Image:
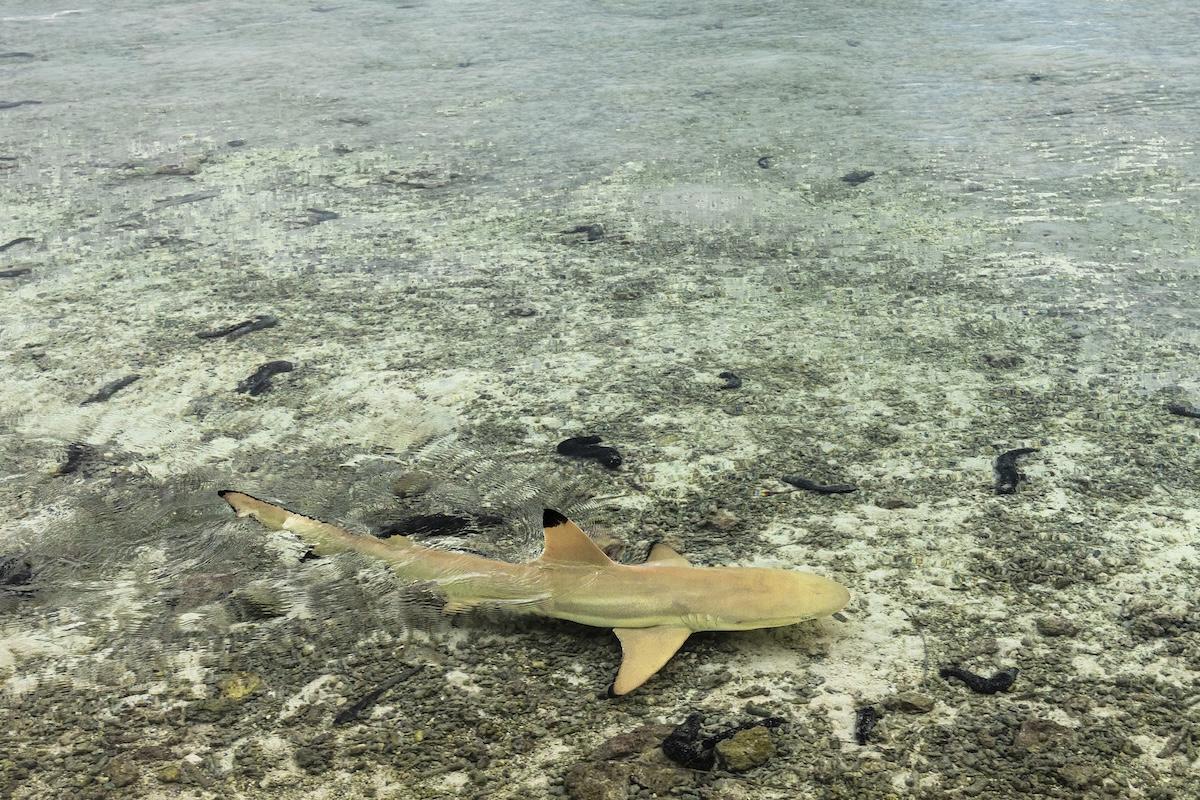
column 666, row 555
column 567, row 544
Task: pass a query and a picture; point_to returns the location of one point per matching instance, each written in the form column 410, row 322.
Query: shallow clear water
column 921, row 235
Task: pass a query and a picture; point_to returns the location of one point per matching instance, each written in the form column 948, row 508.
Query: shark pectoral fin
column 662, row 554
column 644, row 651
column 567, row 543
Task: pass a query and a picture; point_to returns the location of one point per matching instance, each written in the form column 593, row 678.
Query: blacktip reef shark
column 651, row 607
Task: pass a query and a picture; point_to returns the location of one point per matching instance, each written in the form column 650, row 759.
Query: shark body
column 651, row 607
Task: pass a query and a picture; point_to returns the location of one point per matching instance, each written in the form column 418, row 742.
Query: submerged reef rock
column 615, row 769
column 746, row 749
column 687, row 745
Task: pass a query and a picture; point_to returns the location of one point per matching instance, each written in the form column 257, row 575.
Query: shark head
column 770, row 598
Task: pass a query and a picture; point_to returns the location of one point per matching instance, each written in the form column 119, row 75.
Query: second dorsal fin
column 567, row 544
column 665, row 555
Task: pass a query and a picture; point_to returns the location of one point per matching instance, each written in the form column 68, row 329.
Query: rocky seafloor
column 448, row 318
column 139, row 667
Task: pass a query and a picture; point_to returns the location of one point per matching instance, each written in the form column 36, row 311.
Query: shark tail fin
column 325, row 539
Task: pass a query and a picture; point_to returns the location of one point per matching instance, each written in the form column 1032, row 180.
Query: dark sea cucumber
column 865, row 719
column 109, row 389
column 15, row 242
column 76, row 452
column 686, row 747
column 240, row 329
column 1183, row 410
column 732, row 380
column 800, row 482
column 1000, row 682
column 1007, row 474
column 352, row 711
column 260, row 381
column 590, row 447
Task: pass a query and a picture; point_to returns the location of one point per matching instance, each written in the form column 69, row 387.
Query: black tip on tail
column 221, row 494
column 552, row 518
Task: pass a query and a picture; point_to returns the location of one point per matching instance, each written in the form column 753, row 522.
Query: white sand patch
column 318, row 689
column 463, row 681
column 454, row 781
column 680, row 477
column 56, row 640
column 188, row 669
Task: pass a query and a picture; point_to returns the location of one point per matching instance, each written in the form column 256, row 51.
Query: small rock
column 655, row 774
column 15, row 571
column 723, row 520
column 632, row 743
column 171, row 773
column 1076, row 776
column 411, row 484
column 1056, row 626
column 912, row 703
column 892, row 503
column 522, row 311
column 857, row 176
column 315, row 757
column 716, row 679
column 1037, row 734
column 240, row 685
column 1002, row 360
column 623, row 762
column 421, row 178
column 121, row 771
column 597, row 780
column 189, row 166
column 258, row 601
column 746, row 749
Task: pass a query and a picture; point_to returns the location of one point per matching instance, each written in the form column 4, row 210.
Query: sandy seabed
column 481, row 230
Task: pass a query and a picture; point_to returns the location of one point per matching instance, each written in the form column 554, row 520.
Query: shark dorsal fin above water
column 566, row 543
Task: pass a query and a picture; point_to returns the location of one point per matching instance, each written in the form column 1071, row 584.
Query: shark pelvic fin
column 662, row 554
column 566, row 543
column 644, row 651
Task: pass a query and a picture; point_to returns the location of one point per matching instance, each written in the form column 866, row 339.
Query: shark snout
column 827, row 597
column 814, row 596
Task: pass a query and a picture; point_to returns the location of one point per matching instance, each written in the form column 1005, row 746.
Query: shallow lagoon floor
column 395, row 185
